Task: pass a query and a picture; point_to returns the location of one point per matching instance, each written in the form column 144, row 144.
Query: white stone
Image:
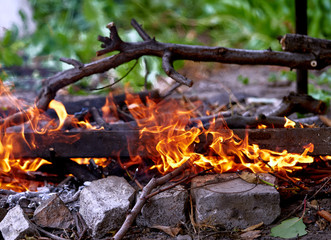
column 105, row 203
column 16, row 225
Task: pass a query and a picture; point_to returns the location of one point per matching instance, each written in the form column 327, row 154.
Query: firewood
column 305, row 44
column 301, row 103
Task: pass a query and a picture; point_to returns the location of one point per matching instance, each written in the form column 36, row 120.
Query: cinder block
column 228, row 201
column 166, row 208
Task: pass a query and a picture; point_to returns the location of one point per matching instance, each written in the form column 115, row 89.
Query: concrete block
column 105, row 203
column 166, row 208
column 16, row 225
column 53, row 213
column 228, row 201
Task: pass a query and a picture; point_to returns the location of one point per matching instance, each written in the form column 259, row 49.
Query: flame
column 103, row 162
column 262, row 126
column 12, row 169
column 289, row 123
column 165, row 134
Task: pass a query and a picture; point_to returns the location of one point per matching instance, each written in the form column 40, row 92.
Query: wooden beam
column 114, row 143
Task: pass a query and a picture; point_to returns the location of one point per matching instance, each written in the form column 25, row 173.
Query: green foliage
column 9, row 48
column 289, row 228
column 243, row 80
column 282, row 76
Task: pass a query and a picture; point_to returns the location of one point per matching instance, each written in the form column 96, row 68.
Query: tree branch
column 129, row 51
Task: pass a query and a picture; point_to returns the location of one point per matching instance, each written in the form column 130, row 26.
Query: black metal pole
column 301, row 28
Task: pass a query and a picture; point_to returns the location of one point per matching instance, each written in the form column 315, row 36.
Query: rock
column 166, row 208
column 183, row 237
column 16, row 225
column 53, row 213
column 230, row 202
column 105, row 203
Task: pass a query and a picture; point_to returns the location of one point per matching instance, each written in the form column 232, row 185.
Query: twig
column 146, row 73
column 177, row 183
column 48, row 234
column 73, row 62
column 153, row 183
column 140, row 30
column 172, row 89
column 324, row 184
column 171, row 72
column 118, row 80
column 98, row 119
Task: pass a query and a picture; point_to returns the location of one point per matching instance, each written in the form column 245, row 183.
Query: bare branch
column 169, row 52
column 140, row 30
column 113, row 43
column 73, row 62
column 171, row 72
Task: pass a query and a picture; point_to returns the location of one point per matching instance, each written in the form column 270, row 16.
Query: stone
column 166, row 208
column 16, row 225
column 228, row 201
column 53, row 213
column 105, row 203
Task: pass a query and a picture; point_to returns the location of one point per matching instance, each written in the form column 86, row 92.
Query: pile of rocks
column 218, row 200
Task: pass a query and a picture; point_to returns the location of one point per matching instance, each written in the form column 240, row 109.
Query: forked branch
column 169, row 53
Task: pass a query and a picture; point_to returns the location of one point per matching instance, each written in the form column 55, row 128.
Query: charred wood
column 301, row 103
column 114, row 143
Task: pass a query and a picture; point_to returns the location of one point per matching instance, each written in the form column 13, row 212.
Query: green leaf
column 7, row 39
column 289, row 228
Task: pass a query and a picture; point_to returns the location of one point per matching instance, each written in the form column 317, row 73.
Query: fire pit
column 153, row 141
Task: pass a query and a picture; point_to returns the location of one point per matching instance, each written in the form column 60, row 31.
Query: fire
column 169, row 132
column 39, row 123
column 165, row 134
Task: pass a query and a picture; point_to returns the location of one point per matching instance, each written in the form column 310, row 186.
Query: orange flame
column 39, row 123
column 166, row 137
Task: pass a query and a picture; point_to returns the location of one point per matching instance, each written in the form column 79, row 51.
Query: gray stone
column 16, row 225
column 231, row 202
column 53, row 213
column 183, row 237
column 166, row 208
column 105, row 203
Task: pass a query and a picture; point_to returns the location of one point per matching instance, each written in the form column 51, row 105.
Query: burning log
column 101, row 143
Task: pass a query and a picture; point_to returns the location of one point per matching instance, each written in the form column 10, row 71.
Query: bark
column 305, row 44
